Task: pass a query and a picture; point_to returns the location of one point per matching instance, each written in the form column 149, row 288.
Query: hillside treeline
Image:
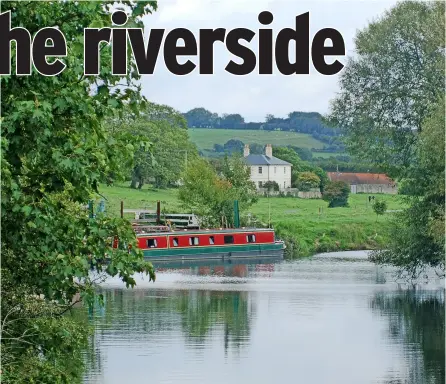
column 302, row 122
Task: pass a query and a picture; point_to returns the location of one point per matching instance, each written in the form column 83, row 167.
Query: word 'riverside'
column 37, row 51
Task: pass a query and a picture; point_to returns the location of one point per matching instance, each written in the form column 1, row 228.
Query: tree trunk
column 134, row 181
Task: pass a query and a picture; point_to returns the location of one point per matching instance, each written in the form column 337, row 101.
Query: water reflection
column 322, row 320
column 203, row 311
column 416, row 323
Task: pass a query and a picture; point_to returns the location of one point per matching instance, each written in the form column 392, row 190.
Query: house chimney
column 246, row 150
column 269, row 150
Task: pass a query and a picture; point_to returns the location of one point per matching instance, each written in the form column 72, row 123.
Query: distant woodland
column 303, row 122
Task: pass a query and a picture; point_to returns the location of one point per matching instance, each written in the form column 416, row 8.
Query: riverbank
column 307, row 226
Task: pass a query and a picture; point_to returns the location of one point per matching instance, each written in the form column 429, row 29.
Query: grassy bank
column 307, row 226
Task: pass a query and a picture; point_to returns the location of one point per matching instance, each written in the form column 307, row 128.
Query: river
column 332, row 318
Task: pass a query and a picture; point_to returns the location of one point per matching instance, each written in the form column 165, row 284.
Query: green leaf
column 27, row 210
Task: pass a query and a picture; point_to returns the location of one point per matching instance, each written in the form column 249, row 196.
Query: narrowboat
column 163, row 243
column 187, row 241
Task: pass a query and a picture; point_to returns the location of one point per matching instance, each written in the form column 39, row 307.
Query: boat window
column 251, row 238
column 175, row 241
column 151, row 243
column 211, row 240
column 193, row 241
column 229, row 239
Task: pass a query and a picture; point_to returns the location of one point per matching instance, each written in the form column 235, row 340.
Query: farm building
column 268, row 168
column 366, row 182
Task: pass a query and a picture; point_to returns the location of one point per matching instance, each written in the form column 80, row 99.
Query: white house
column 268, row 168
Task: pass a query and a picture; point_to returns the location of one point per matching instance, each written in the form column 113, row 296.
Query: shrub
column 379, row 207
column 307, row 180
column 271, row 186
column 336, row 193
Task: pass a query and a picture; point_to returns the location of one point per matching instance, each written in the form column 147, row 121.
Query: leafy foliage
column 379, row 207
column 418, row 237
column 307, row 180
column 32, row 325
column 336, row 193
column 166, row 157
column 299, row 166
column 55, row 152
column 271, row 186
column 211, row 195
column 389, row 88
column 391, row 111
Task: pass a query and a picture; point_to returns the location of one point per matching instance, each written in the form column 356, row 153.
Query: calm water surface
column 334, row 318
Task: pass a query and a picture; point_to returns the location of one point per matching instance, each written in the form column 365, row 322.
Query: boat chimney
column 236, row 215
column 158, row 212
column 269, row 150
column 246, row 150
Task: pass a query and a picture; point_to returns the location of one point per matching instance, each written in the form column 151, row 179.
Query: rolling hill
column 205, row 138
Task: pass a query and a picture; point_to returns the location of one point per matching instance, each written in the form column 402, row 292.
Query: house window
column 175, row 241
column 260, row 170
column 229, row 239
column 275, row 169
column 260, row 184
column 194, row 241
column 151, row 243
column 211, row 240
column 251, row 238
column 284, row 169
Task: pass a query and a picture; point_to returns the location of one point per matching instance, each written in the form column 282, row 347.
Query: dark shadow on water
column 416, row 323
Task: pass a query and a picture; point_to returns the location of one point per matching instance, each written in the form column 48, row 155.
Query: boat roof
column 204, row 231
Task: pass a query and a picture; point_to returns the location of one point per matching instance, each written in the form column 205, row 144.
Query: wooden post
column 122, row 209
column 158, row 212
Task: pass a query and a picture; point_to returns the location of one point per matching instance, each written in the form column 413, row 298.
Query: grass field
column 307, row 226
column 206, row 138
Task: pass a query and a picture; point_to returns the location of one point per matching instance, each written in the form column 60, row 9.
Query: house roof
column 264, row 160
column 360, row 178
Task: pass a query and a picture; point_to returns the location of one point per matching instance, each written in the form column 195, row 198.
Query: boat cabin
column 189, row 239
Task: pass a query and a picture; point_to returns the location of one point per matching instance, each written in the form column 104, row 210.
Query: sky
column 253, row 96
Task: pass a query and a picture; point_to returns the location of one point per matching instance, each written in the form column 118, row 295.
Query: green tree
column 236, row 172
column 307, row 180
column 391, row 85
column 201, row 118
column 417, row 235
column 391, row 93
column 271, row 186
column 231, row 120
column 211, row 195
column 379, row 207
column 55, row 152
column 288, row 154
column 166, row 130
column 336, row 193
column 206, row 194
